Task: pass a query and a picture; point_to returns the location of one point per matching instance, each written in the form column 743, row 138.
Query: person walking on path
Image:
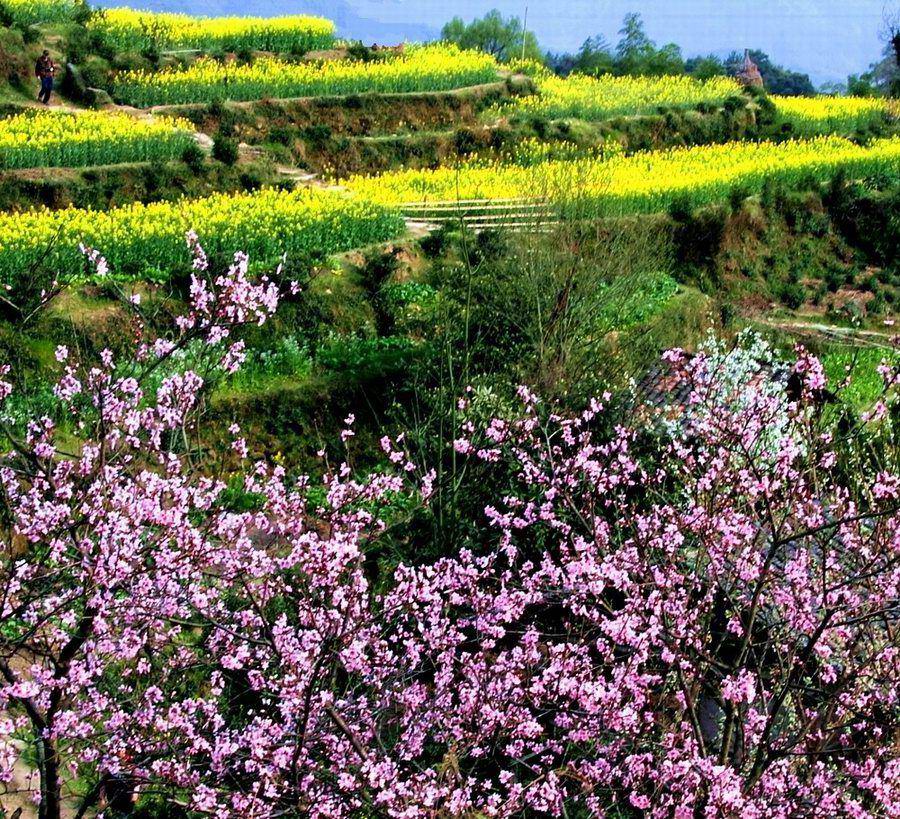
column 44, row 71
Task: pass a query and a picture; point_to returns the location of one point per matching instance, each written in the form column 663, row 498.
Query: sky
column 828, row 39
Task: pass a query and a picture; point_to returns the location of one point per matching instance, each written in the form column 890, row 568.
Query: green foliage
column 705, row 68
column 867, row 218
column 595, row 57
column 367, row 359
column 193, row 156
column 853, row 373
column 358, row 51
column 792, row 294
column 225, row 150
column 637, row 54
column 861, row 86
column 410, row 308
column 288, row 358
column 628, row 306
column 499, row 36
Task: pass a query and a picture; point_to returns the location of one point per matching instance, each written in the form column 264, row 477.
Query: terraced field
column 841, row 115
column 31, row 12
column 641, row 183
column 37, row 138
column 125, row 29
column 266, row 224
column 426, row 68
column 593, row 99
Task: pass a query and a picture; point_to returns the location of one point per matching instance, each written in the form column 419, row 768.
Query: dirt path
column 466, row 90
column 847, row 335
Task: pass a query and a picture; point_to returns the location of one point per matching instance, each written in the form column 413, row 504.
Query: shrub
column 792, row 294
column 281, row 134
column 225, row 150
column 194, row 157
column 366, row 359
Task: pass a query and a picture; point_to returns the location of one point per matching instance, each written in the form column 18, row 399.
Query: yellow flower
column 61, row 139
column 590, row 98
column 128, row 30
column 827, row 115
column 425, row 68
column 29, row 12
column 137, row 237
column 644, row 182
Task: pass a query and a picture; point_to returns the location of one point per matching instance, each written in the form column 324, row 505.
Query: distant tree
column 890, row 65
column 494, row 34
column 892, row 33
column 595, row 57
column 778, row 80
column 561, row 63
column 861, row 85
column 703, row 68
column 665, row 60
column 634, row 44
column 637, row 54
column 884, row 75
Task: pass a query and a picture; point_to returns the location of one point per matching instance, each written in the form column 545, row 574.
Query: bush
column 465, row 141
column 358, row 51
column 367, row 359
column 31, row 34
column 281, row 134
column 792, row 294
column 225, row 150
column 435, row 244
column 250, row 181
column 737, row 197
column 490, row 245
column 194, row 157
column 317, row 135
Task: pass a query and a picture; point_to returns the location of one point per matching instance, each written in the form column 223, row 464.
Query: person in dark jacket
column 44, row 71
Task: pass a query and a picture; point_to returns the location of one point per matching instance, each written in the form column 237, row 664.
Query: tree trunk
column 51, row 789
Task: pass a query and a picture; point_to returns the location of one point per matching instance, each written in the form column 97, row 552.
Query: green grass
column 853, row 373
column 637, row 307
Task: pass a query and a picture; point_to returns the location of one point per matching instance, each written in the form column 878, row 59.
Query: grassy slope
column 734, row 266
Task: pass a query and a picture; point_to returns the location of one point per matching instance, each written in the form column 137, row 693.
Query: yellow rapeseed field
column 826, row 115
column 128, row 30
column 426, row 68
column 29, row 12
column 597, row 98
column 643, row 182
column 138, row 238
column 61, row 139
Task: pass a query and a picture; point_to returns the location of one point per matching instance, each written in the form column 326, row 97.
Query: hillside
column 396, row 431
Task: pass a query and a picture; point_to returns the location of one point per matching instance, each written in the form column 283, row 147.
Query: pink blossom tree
column 691, row 617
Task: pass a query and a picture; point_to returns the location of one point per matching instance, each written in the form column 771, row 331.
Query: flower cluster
column 694, row 619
